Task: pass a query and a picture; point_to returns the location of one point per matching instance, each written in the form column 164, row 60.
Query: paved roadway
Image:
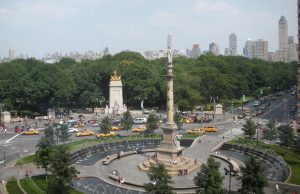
column 13, row 146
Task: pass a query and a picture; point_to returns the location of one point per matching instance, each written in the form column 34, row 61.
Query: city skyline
column 36, row 28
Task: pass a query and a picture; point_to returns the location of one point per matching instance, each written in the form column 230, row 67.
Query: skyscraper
column 256, row 49
column 214, row 48
column 292, row 49
column 283, row 39
column 196, row 51
column 232, row 44
column 11, row 54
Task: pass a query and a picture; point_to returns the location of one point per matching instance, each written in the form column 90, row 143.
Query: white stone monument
column 219, row 109
column 5, row 117
column 116, row 105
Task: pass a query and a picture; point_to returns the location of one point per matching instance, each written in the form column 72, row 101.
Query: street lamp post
column 214, row 98
column 1, row 105
column 226, row 172
column 285, row 108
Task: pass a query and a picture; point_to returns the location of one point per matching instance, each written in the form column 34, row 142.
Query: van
column 140, row 120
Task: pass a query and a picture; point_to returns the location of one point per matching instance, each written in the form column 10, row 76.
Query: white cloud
column 219, row 6
column 164, row 17
column 36, row 13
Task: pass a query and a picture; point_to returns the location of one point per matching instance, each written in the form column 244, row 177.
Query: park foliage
column 35, row 86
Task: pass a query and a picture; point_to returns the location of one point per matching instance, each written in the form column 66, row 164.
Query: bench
column 235, row 172
column 115, row 177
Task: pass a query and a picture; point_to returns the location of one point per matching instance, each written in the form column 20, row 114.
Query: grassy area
column 13, row 187
column 26, row 159
column 189, row 136
column 28, row 185
column 40, row 181
column 292, row 158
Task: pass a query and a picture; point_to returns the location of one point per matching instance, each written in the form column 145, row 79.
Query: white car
column 140, row 120
column 95, row 125
column 72, row 130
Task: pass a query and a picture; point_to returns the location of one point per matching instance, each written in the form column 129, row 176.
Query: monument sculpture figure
column 116, row 105
column 170, row 149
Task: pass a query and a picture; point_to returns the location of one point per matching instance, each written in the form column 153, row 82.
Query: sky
column 36, row 27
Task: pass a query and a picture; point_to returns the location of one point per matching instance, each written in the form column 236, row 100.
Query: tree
column 271, row 131
column 63, row 133
column 127, row 120
column 152, row 123
column 209, row 179
column 62, row 171
column 286, row 135
column 105, row 125
column 49, row 134
column 45, row 145
column 253, row 181
column 178, row 120
column 249, row 128
column 297, row 145
column 160, row 180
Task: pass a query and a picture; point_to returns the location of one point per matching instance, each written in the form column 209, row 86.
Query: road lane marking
column 1, row 162
column 7, row 141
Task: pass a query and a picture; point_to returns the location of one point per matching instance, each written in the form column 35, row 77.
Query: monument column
column 169, row 151
column 169, row 147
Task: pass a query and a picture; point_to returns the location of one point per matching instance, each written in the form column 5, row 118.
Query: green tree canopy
column 253, row 181
column 62, row 171
column 160, row 180
column 105, row 125
column 209, row 179
column 249, row 128
column 152, row 123
column 127, row 120
column 286, row 135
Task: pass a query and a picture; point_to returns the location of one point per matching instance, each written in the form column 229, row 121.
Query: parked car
column 85, row 132
column 72, row 130
column 195, row 131
column 31, row 132
column 110, row 134
column 117, row 128
column 256, row 103
column 139, row 129
column 210, row 128
column 140, row 120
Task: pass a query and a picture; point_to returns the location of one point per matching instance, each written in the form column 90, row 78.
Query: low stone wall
column 101, row 146
column 266, row 155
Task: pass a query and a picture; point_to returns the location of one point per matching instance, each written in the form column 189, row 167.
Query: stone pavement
column 127, row 166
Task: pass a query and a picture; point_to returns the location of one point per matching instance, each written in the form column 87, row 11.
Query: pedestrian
column 5, row 131
column 276, row 188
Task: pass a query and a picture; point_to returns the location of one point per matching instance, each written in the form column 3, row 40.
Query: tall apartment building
column 292, row 49
column 256, row 49
column 195, row 52
column 214, row 48
column 283, row 39
column 11, row 54
column 232, row 44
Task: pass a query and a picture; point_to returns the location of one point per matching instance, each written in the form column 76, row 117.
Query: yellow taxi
column 187, row 120
column 139, row 129
column 31, row 132
column 195, row 131
column 211, row 128
column 85, row 132
column 116, row 128
column 110, row 134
